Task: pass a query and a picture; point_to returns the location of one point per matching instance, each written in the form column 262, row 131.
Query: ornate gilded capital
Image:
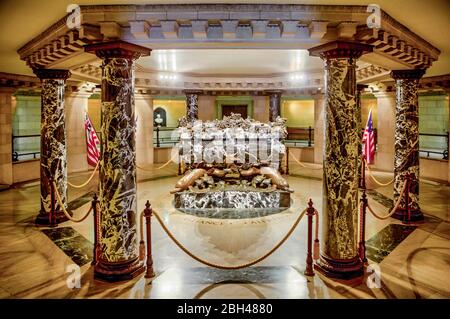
column 52, row 74
column 117, row 49
column 412, row 74
column 340, row 49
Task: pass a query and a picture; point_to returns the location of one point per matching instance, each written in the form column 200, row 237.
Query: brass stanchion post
column 408, row 209
column 362, row 211
column 148, row 219
column 52, row 214
column 362, row 175
column 96, row 231
column 309, row 260
column 362, row 231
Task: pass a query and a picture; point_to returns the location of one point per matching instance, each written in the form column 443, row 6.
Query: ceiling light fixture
column 296, row 77
column 171, row 77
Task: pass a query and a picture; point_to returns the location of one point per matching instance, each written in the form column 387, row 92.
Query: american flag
column 369, row 141
column 92, row 141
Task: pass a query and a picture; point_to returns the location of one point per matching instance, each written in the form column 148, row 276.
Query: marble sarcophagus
column 232, row 164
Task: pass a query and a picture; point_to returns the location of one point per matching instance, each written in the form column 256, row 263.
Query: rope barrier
column 374, row 179
column 303, row 165
column 88, row 181
column 392, row 212
column 149, row 170
column 390, row 182
column 60, row 202
column 211, row 264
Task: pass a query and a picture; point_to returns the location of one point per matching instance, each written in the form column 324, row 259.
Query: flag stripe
column 92, row 143
column 369, row 140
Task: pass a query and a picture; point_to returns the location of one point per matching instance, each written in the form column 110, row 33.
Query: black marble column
column 406, row 156
column 339, row 256
column 274, row 104
column 53, row 143
column 359, row 89
column 192, row 104
column 119, row 258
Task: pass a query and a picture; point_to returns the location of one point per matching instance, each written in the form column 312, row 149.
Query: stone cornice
column 26, row 82
column 371, row 73
column 174, row 92
column 440, row 82
column 150, row 80
column 58, row 44
column 19, row 81
column 230, row 25
column 147, row 80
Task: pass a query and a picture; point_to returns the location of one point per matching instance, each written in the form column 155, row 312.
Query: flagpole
column 85, row 137
column 365, row 128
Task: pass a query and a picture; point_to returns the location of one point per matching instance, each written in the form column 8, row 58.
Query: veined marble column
column 339, row 255
column 406, row 157
column 192, row 104
column 274, row 105
column 119, row 258
column 53, row 142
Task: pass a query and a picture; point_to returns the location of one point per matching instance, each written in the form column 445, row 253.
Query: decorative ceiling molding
column 188, row 82
column 228, row 25
column 410, row 54
column 150, row 80
column 432, row 83
column 371, row 73
column 19, row 81
column 25, row 82
column 57, row 44
column 172, row 92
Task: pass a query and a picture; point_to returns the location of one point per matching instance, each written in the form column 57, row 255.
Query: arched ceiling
column 21, row 20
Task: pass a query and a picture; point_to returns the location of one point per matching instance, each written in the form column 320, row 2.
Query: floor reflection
column 384, row 242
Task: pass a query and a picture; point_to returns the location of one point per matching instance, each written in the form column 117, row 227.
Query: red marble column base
column 340, row 268
column 118, row 271
column 43, row 218
column 413, row 217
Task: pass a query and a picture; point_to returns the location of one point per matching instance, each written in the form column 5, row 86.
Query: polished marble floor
column 414, row 260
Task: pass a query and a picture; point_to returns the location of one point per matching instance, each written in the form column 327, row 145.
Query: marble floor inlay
column 80, row 201
column 255, row 274
column 72, row 243
column 380, row 198
column 385, row 241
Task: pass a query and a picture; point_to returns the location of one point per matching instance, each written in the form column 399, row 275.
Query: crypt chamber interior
column 216, row 151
